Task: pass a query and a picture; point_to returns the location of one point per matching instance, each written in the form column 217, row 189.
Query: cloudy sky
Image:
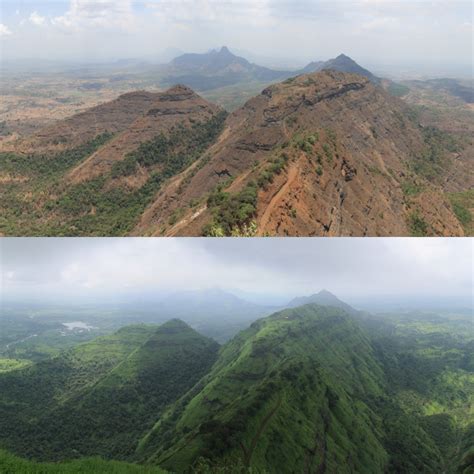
column 426, row 33
column 354, row 269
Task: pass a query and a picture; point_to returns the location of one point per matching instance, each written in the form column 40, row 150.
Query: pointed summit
column 341, row 63
column 323, row 298
column 225, row 50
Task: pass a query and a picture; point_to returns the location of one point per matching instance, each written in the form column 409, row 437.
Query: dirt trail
column 292, row 175
column 183, row 222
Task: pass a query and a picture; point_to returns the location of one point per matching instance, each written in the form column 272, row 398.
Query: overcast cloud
column 427, row 33
column 78, row 269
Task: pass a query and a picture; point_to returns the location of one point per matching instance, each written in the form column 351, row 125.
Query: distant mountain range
column 219, row 68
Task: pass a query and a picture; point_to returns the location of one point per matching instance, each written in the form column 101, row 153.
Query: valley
column 316, row 386
column 254, row 151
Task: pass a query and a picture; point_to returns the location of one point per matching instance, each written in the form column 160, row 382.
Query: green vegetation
column 417, row 225
column 328, row 152
column 270, row 397
column 277, row 165
column 312, row 387
column 45, row 167
column 432, row 162
column 95, row 207
column 100, row 397
column 10, row 464
column 231, row 212
column 398, row 90
column 463, row 203
column 175, row 152
column 411, row 188
column 8, row 365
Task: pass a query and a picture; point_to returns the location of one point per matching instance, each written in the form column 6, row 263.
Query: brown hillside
column 349, row 146
column 164, row 111
column 112, row 117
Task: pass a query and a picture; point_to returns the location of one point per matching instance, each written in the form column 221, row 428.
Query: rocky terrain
column 348, row 149
column 321, row 154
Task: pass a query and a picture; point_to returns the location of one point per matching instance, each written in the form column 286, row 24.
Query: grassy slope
column 30, row 392
column 109, row 418
column 287, row 394
column 430, row 364
column 10, row 464
column 112, row 410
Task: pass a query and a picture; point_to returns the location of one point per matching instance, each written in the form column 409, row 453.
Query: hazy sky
column 352, row 268
column 436, row 33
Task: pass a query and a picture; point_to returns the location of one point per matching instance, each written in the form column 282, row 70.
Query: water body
column 78, row 325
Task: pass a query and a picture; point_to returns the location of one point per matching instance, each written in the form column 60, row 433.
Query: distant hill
column 323, row 298
column 214, row 312
column 341, row 63
column 217, row 68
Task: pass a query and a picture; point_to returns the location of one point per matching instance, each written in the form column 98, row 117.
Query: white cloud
column 85, row 14
column 428, row 268
column 37, row 19
column 4, row 30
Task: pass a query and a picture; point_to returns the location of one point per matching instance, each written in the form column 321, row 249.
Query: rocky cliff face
column 321, row 154
column 349, row 148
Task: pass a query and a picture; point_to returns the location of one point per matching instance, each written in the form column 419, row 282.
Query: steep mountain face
column 322, row 154
column 112, row 408
column 323, row 298
column 296, row 392
column 217, row 68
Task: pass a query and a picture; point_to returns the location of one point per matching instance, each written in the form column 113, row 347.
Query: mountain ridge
column 289, row 162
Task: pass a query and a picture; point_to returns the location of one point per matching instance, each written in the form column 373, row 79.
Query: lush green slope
column 286, row 395
column 28, row 393
column 307, row 389
column 429, row 363
column 10, row 464
column 116, row 406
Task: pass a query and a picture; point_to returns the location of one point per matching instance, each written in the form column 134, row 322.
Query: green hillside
column 26, row 394
column 288, row 394
column 109, row 414
column 307, row 389
column 10, row 464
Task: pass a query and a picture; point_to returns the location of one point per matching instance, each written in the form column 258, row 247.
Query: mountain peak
column 326, row 292
column 344, row 56
column 225, row 50
column 174, row 324
column 323, row 298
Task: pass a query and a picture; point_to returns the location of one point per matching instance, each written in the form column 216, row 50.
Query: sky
column 355, row 269
column 433, row 34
